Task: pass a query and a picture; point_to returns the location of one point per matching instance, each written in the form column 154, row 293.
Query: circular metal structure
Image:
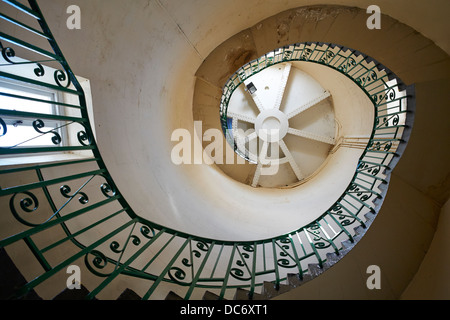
column 281, row 118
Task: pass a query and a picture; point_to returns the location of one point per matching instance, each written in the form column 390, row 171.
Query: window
column 26, row 131
column 39, row 116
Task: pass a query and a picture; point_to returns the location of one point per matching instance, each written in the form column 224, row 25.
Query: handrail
column 132, row 246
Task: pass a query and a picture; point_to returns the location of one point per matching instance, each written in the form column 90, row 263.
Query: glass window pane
column 26, row 136
column 20, row 132
column 10, row 103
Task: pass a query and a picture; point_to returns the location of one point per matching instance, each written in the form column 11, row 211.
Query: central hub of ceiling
column 271, row 125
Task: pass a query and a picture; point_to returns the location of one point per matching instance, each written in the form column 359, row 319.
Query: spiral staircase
column 140, row 227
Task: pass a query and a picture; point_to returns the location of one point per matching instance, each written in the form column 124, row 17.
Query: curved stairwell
column 122, row 249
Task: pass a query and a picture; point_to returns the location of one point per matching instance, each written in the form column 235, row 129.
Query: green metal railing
column 71, row 212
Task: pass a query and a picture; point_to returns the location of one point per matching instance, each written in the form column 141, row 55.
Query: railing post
column 166, row 269
column 122, row 266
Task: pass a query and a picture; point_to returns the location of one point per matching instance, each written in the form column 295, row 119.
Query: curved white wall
column 431, row 280
column 229, row 209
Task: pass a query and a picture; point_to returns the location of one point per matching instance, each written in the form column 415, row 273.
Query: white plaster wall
column 432, row 279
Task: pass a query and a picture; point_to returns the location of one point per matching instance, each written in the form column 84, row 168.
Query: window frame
column 27, row 89
column 68, row 133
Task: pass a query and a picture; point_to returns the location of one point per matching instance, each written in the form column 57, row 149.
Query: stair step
column 242, row 294
column 333, row 257
column 294, row 281
column 271, row 290
column 370, row 216
column 173, row 296
column 211, row 296
column 359, row 230
column 348, row 245
column 11, row 279
column 73, row 294
column 129, row 294
column 314, row 269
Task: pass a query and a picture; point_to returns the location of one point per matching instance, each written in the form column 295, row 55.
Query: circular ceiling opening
column 322, row 118
column 282, row 120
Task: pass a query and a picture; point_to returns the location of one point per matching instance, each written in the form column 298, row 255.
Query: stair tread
column 208, row 295
column 242, row 294
column 293, row 279
column 271, row 290
column 12, row 279
column 173, row 296
column 73, row 294
column 129, row 294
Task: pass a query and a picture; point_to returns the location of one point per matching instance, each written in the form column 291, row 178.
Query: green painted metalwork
column 134, row 247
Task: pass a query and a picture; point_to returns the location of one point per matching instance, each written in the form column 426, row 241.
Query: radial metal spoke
column 251, row 136
column 242, row 140
column 291, row 160
column 258, row 102
column 250, row 146
column 255, row 97
column 262, row 155
column 241, row 117
column 282, row 88
column 308, row 105
column 257, row 175
column 237, row 136
column 312, row 136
